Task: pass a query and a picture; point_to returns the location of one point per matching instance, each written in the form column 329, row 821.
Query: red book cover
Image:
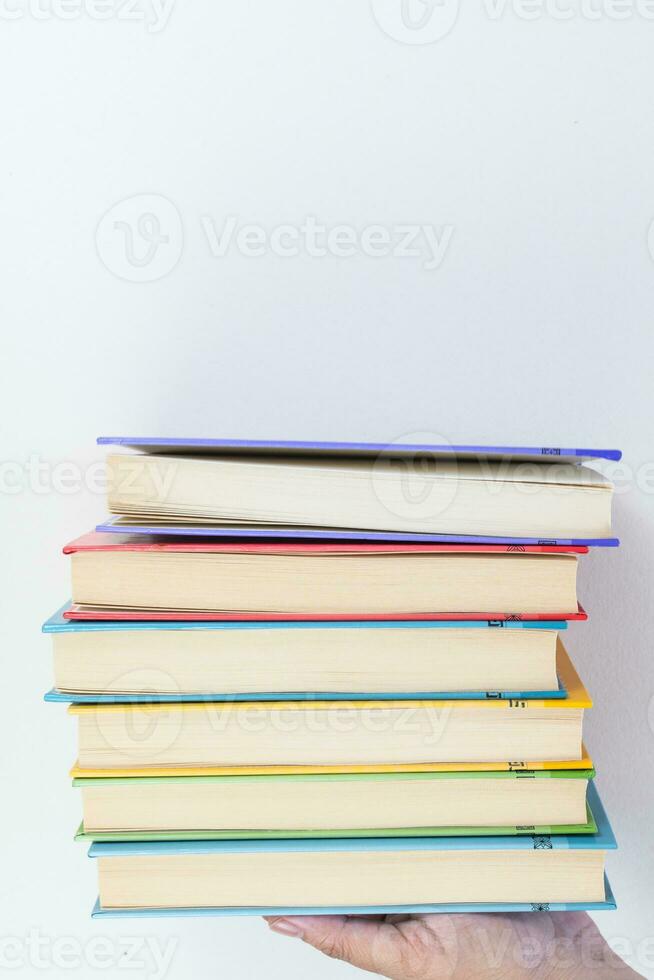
column 98, row 541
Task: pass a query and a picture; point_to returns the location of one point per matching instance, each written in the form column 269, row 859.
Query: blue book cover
column 609, row 904
column 58, row 624
column 63, row 697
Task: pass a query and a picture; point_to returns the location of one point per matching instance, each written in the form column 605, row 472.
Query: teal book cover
column 57, row 623
column 602, row 840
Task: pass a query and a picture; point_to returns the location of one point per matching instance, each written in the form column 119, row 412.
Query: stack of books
column 319, row 677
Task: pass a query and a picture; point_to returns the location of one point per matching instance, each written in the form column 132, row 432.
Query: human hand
column 537, row 945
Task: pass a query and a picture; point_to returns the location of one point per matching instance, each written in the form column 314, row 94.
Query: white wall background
column 528, row 141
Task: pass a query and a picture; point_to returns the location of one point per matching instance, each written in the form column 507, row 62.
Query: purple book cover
column 155, row 444
column 114, row 526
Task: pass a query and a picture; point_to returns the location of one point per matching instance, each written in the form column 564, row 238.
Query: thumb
column 357, row 940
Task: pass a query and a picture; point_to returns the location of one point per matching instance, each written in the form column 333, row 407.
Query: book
column 337, row 580
column 119, row 836
column 524, row 765
column 411, row 492
column 109, row 661
column 316, row 678
column 608, row 904
column 56, row 696
column 302, row 733
column 361, row 873
column 338, row 805
column 76, row 613
column 277, row 532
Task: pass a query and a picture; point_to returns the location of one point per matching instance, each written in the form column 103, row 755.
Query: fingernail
column 286, row 927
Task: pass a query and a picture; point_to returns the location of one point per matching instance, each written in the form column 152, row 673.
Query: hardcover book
column 121, row 525
column 404, row 490
column 324, row 733
column 365, row 875
column 263, row 580
column 330, row 805
column 525, row 765
column 329, row 678
column 113, row 662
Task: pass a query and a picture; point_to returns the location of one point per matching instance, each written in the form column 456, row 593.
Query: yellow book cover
column 584, row 763
column 577, row 698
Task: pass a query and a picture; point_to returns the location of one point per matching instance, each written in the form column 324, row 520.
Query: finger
column 365, row 943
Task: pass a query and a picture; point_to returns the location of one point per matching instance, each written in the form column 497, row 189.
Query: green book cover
column 586, row 774
column 590, row 827
column 237, row 834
